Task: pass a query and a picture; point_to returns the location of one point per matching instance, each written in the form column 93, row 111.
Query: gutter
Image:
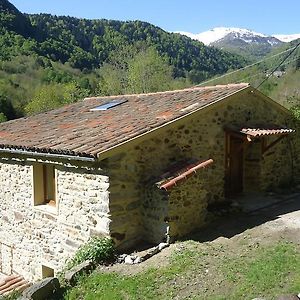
column 47, row 155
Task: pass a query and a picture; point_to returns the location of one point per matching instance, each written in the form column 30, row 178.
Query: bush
column 97, row 250
column 2, row 117
column 296, row 112
column 15, row 295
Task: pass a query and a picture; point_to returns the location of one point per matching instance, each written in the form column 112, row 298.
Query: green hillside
column 89, row 43
column 47, row 61
column 282, row 86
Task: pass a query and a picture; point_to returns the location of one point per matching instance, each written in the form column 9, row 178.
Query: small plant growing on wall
column 13, row 296
column 98, row 250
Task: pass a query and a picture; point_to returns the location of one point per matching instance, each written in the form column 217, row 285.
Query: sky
column 264, row 16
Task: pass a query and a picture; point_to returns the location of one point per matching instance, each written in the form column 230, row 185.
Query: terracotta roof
column 77, row 131
column 180, row 172
column 272, row 130
column 13, row 283
column 261, row 130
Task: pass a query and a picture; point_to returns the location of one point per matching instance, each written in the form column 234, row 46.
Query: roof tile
column 180, row 172
column 75, row 130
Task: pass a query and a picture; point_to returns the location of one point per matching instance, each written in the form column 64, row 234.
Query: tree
column 113, row 80
column 114, row 75
column 6, row 109
column 52, row 96
column 149, row 72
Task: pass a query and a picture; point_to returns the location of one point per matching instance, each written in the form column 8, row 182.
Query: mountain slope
column 89, row 43
column 12, row 19
column 94, row 40
column 287, row 37
column 216, row 34
column 47, row 61
column 247, row 43
column 241, row 41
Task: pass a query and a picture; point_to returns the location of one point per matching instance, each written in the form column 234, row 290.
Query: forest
column 47, row 61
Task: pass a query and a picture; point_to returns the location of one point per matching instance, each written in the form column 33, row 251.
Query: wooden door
column 234, row 174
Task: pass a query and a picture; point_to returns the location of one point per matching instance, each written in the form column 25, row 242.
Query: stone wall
column 32, row 236
column 121, row 199
column 154, row 210
column 292, row 148
column 187, row 206
column 125, row 198
column 138, row 212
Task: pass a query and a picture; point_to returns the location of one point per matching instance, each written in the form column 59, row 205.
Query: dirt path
column 265, row 226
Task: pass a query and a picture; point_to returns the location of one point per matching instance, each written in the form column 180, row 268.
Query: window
column 109, row 105
column 44, row 182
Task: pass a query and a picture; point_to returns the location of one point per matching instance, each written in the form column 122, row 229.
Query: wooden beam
column 244, row 145
column 246, row 140
column 266, row 147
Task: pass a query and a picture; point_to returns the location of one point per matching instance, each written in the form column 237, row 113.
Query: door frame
column 228, row 154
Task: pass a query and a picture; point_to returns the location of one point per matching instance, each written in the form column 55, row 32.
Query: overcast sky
column 265, row 16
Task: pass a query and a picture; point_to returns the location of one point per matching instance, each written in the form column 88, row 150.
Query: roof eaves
column 35, row 152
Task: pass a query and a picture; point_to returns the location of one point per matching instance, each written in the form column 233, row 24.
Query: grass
column 268, row 272
column 203, row 272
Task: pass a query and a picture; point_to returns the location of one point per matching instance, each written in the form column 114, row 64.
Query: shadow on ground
column 236, row 223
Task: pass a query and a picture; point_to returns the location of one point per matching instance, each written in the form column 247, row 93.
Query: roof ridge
column 242, row 84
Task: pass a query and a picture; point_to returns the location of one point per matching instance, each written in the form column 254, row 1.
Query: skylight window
column 108, row 105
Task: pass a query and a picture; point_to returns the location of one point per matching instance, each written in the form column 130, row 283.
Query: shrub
column 13, row 296
column 97, row 250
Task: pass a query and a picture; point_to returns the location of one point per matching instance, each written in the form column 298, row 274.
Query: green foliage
column 52, row 96
column 3, row 117
column 12, row 19
column 6, row 108
column 149, row 72
column 89, row 43
column 297, row 64
column 296, row 112
column 15, row 295
column 139, row 70
column 251, row 51
column 98, row 250
column 265, row 271
column 113, row 80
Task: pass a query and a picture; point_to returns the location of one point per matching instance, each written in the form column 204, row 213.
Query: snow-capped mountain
column 242, row 41
column 287, row 37
column 216, row 34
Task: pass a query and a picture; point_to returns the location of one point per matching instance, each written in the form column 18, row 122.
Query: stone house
column 133, row 167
